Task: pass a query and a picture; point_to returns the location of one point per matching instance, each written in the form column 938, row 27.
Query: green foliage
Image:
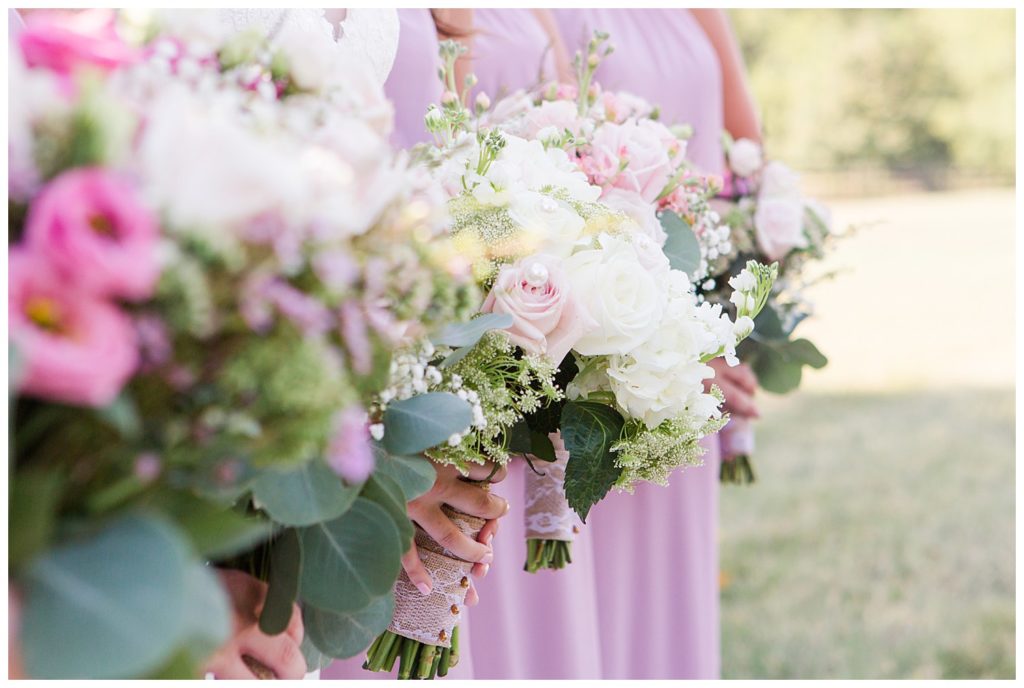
column 116, row 603
column 351, row 560
column 344, row 635
column 469, row 333
column 589, row 430
column 681, row 246
column 418, row 423
column 917, row 89
column 283, row 590
column 34, row 498
column 415, row 475
column 309, row 494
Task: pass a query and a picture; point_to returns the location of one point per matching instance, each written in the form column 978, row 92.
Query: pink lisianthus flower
column 64, row 42
column 93, row 228
column 348, row 453
column 546, row 317
column 76, row 349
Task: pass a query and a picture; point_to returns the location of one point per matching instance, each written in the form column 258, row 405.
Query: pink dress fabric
column 510, row 51
column 413, row 83
column 656, row 551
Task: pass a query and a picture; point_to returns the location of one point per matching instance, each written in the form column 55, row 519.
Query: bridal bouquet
column 637, row 171
column 770, row 220
column 213, row 255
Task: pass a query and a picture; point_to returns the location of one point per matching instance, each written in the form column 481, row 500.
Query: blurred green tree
column 910, row 90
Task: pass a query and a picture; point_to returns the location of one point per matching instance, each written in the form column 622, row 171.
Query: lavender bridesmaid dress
column 411, row 86
column 413, row 83
column 656, row 551
column 541, row 625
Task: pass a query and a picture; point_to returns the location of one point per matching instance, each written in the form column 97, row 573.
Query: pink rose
column 75, row 348
column 558, row 114
column 93, row 228
column 547, row 318
column 65, row 41
column 779, row 226
column 632, row 156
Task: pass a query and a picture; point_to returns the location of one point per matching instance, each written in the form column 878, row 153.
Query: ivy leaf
column 681, row 246
column 350, row 561
column 589, row 429
column 469, row 333
column 283, row 590
column 346, row 635
column 310, row 494
column 416, row 424
column 414, row 474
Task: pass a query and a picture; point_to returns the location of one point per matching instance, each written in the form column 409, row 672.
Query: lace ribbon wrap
column 431, row 618
column 737, row 438
column 548, row 515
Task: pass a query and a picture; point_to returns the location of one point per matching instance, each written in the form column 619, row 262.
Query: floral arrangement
column 214, row 254
column 644, row 201
column 770, row 220
column 610, row 339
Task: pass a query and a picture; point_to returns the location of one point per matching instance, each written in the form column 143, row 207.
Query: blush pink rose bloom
column 93, row 228
column 66, row 41
column 644, row 150
column 547, row 318
column 779, row 218
column 75, row 349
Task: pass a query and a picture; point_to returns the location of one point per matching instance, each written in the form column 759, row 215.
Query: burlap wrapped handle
column 548, row 515
column 431, row 618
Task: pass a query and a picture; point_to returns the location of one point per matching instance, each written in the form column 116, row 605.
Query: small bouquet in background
column 638, row 166
column 770, row 220
column 212, row 261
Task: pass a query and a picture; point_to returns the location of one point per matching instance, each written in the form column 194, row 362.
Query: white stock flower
column 618, row 292
column 745, row 157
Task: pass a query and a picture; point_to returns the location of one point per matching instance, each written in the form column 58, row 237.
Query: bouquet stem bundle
column 551, row 524
column 423, row 634
column 737, row 440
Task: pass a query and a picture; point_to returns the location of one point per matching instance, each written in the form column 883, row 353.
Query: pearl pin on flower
column 537, row 275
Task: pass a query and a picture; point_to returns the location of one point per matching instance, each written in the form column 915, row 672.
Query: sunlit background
column 878, row 540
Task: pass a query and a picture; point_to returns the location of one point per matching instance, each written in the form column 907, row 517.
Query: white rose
column 745, row 157
column 778, row 179
column 548, row 225
column 622, row 296
column 662, row 378
column 779, row 226
column 633, row 205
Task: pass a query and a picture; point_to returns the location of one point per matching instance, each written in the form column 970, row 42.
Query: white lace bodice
column 367, row 36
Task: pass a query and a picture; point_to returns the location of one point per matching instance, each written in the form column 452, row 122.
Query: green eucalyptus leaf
column 123, row 416
column 469, row 333
column 768, row 326
column 315, row 659
column 283, row 590
column 804, row 351
column 311, row 493
column 414, row 474
column 776, row 373
column 681, row 246
column 346, row 635
column 216, row 532
column 386, row 493
column 108, row 606
column 207, row 614
column 350, row 561
column 589, row 429
column 416, row 424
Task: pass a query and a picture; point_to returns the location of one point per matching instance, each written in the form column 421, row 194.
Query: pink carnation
column 93, row 228
column 66, row 41
column 75, row 348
